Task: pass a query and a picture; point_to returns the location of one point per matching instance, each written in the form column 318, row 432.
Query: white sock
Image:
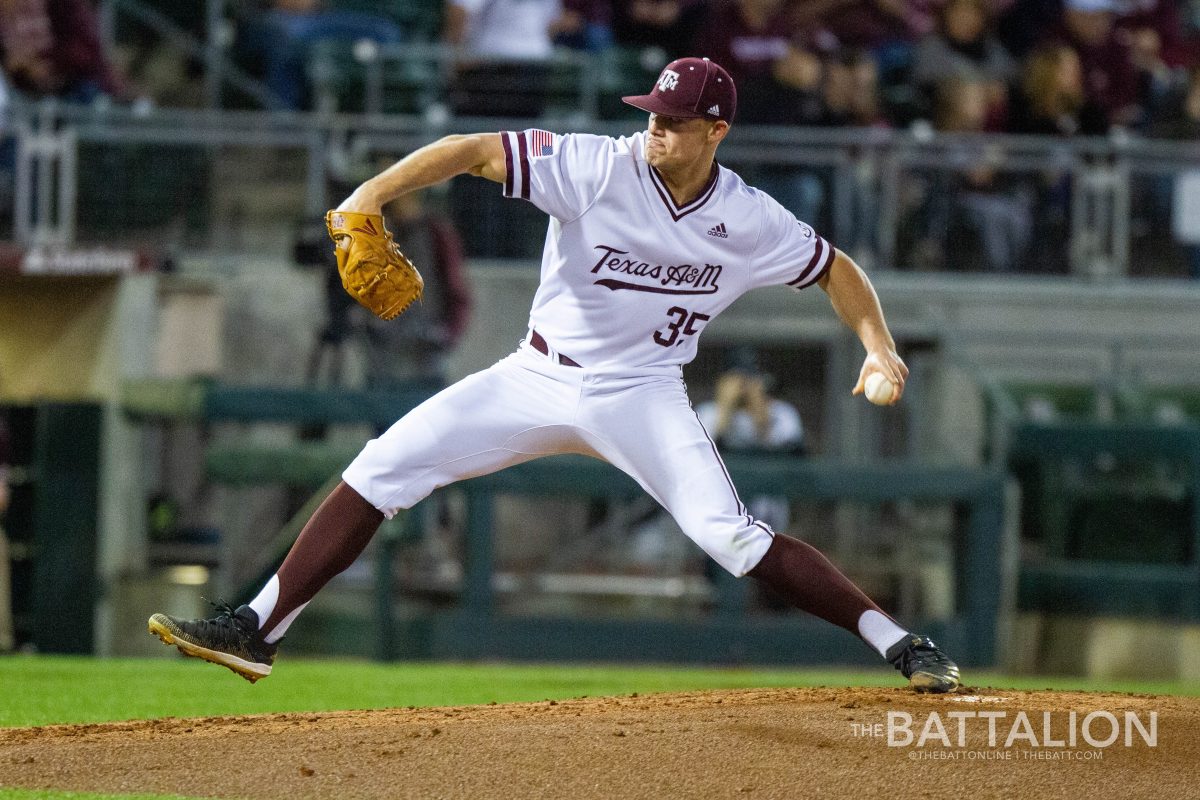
column 264, row 604
column 279, row 630
column 879, row 631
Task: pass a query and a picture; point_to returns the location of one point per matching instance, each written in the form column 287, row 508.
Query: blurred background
column 181, row 376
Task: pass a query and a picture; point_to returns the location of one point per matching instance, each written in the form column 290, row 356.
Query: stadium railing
column 1094, row 208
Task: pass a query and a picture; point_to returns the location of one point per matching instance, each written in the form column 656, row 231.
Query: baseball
column 878, row 389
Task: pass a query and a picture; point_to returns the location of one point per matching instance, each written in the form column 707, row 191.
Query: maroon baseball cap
column 688, row 88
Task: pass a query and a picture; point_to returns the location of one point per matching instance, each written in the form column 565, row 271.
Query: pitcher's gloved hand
column 374, row 271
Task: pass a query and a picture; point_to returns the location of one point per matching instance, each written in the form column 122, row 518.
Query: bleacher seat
column 339, row 80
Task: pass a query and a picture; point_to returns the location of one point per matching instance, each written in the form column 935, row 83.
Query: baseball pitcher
column 649, row 239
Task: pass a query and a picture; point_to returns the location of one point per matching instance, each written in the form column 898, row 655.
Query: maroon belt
column 540, row 345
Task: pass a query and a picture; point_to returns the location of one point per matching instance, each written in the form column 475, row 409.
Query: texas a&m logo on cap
column 688, row 88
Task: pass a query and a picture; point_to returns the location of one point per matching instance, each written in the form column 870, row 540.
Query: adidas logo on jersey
column 719, row 231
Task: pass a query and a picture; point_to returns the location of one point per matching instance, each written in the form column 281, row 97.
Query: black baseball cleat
column 927, row 668
column 230, row 639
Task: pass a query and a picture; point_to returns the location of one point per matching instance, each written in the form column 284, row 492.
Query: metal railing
column 210, row 47
column 570, row 81
column 1103, row 233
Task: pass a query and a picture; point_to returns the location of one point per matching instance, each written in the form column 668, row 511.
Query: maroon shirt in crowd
column 1110, row 79
column 1164, row 18
column 744, row 51
column 667, row 24
column 868, row 24
column 53, row 46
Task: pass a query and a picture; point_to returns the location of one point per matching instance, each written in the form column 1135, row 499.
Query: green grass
column 41, row 690
column 69, row 689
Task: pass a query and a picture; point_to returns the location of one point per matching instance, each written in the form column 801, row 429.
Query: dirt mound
column 760, row 743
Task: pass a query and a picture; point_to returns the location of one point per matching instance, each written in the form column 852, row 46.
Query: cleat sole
column 926, row 683
column 160, row 626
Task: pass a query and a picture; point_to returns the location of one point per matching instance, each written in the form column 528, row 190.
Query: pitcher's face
column 676, row 142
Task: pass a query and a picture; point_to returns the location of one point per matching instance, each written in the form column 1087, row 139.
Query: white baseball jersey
column 629, row 278
column 510, row 28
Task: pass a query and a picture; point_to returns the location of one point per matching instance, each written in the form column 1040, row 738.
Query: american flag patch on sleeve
column 541, row 143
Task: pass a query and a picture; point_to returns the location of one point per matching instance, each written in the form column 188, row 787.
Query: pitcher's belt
column 540, row 345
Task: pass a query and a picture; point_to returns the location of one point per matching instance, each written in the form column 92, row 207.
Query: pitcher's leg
column 496, row 418
column 504, row 415
column 650, row 431
column 666, row 449
column 799, row 573
column 336, row 534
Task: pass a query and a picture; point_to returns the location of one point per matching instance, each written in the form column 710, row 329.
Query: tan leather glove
column 374, row 271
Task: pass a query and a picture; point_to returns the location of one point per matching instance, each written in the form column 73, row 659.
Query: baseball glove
column 374, row 271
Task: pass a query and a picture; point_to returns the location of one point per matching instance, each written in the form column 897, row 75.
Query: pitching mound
column 759, row 743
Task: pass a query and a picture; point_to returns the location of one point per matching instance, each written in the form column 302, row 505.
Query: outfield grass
column 41, row 690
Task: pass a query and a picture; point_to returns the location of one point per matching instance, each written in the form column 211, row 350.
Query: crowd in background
column 1025, row 66
column 1050, row 67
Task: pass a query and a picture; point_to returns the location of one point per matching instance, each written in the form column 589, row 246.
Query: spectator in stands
column 290, row 30
column 1051, row 97
column 974, row 215
column 667, row 25
column 850, row 93
column 778, row 75
column 1161, row 47
column 504, row 47
column 585, row 25
column 52, row 48
column 1021, row 25
column 1179, row 117
column 747, row 37
column 1156, row 33
column 964, row 47
column 1051, row 101
column 888, row 29
column 743, row 417
column 851, row 97
column 503, row 70
column 1110, row 77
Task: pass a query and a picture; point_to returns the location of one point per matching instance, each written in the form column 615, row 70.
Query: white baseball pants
column 528, row 405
